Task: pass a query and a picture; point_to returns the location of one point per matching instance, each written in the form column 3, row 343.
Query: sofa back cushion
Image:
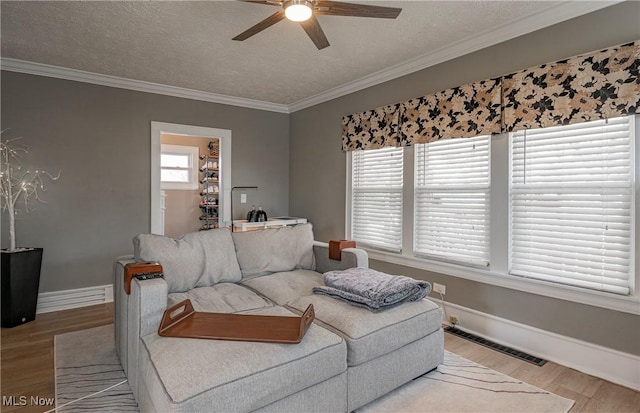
column 197, row 259
column 274, row 250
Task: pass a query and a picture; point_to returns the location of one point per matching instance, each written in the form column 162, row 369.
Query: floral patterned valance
column 462, row 112
column 598, row 85
column 373, row 129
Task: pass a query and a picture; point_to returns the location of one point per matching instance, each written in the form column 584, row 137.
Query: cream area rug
column 460, row 385
column 89, row 378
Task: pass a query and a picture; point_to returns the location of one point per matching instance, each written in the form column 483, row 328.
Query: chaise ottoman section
column 398, row 367
column 385, row 349
column 370, row 335
column 182, row 375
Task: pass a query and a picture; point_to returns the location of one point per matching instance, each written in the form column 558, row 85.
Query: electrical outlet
column 453, row 320
column 439, row 288
column 243, row 198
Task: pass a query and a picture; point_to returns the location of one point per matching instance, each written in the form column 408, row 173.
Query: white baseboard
column 608, row 364
column 80, row 297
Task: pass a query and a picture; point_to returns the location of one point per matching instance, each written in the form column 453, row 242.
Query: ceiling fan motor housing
column 298, row 10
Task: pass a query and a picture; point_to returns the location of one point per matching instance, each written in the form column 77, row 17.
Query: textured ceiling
column 188, row 44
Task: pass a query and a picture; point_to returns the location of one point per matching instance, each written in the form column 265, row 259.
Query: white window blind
column 571, row 200
column 452, row 183
column 376, row 198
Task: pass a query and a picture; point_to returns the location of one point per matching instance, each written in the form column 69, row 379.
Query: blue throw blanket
column 371, row 289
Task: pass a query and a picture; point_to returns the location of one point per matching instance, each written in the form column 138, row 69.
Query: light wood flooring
column 27, row 365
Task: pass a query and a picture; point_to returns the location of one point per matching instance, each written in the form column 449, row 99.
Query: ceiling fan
column 305, row 11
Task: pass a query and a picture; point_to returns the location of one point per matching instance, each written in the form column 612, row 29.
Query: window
column 178, row 167
column 571, row 204
column 552, row 210
column 452, row 182
column 376, row 198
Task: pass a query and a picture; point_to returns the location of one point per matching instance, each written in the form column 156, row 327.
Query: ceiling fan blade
column 338, row 8
column 267, row 2
column 313, row 29
column 268, row 22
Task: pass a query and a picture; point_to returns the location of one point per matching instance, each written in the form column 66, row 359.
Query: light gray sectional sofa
column 349, row 356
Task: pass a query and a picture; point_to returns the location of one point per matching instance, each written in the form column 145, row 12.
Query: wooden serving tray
column 181, row 320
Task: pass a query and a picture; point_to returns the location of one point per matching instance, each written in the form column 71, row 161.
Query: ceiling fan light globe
column 298, row 10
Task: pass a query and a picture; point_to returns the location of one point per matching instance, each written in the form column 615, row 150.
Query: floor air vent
column 495, row 346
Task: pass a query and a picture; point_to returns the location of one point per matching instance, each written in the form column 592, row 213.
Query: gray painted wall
column 318, row 168
column 99, row 137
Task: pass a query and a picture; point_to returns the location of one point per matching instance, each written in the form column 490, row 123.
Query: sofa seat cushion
column 370, row 335
column 212, row 375
column 197, row 259
column 282, row 287
column 274, row 250
column 221, row 298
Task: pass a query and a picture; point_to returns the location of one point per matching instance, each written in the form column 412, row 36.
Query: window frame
column 193, row 153
column 497, row 273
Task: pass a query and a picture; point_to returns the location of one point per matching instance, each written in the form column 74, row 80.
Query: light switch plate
column 243, row 198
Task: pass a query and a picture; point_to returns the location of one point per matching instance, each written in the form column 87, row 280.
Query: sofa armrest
column 136, row 314
column 121, row 308
column 351, row 257
column 147, row 303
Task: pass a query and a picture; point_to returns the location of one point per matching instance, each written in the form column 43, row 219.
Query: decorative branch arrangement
column 19, row 187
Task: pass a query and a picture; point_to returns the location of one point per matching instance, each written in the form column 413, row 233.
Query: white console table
column 243, row 225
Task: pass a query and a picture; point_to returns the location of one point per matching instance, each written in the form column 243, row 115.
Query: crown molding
column 550, row 16
column 41, row 69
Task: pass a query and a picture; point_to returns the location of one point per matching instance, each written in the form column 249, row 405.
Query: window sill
column 626, row 304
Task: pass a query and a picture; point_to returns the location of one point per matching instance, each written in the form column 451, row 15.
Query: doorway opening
column 178, row 204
